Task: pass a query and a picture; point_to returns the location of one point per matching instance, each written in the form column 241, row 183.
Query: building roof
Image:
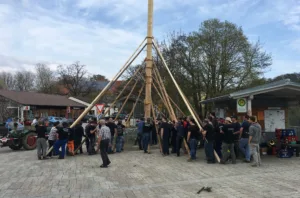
column 39, row 99
column 270, row 87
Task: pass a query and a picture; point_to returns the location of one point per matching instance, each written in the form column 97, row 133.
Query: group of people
column 98, row 136
column 60, row 136
column 228, row 139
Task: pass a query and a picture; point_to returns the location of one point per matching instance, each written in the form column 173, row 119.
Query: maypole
column 149, row 61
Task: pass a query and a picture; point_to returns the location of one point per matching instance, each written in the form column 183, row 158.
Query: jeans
column 77, row 144
column 110, row 145
column 218, row 148
column 146, row 138
column 51, row 143
column 60, row 144
column 193, row 145
column 254, row 150
column 91, row 148
column 179, row 140
column 154, row 138
column 166, row 146
column 119, row 143
column 226, row 153
column 237, row 148
column 103, row 152
column 244, row 147
column 41, row 145
column 209, row 151
column 139, row 140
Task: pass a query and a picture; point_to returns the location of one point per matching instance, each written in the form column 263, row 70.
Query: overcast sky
column 102, row 34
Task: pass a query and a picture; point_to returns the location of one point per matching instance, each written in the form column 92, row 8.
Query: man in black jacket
column 78, row 134
column 228, row 141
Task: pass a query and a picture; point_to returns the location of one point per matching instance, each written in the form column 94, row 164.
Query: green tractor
column 16, row 139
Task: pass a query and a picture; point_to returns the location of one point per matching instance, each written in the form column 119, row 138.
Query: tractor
column 16, row 139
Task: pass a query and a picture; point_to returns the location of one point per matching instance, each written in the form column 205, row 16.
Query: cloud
column 42, row 35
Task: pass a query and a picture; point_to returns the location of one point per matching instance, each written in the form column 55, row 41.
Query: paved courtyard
column 134, row 174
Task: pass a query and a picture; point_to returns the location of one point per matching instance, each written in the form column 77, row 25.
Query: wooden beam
column 181, row 93
column 149, row 60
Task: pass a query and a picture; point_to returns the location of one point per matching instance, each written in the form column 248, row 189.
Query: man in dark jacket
column 209, row 134
column 180, row 136
column 228, row 141
column 147, row 129
column 91, row 135
column 78, row 134
column 63, row 135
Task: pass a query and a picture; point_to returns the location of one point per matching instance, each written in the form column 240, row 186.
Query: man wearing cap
column 228, row 141
column 237, row 127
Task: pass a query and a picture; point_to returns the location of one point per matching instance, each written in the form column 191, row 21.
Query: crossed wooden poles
column 160, row 89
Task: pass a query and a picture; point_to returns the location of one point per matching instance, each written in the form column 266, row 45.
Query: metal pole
column 149, row 60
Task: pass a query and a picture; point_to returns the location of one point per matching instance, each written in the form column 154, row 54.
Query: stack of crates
column 285, row 137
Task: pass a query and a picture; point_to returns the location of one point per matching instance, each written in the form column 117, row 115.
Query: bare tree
column 24, row 80
column 76, row 79
column 45, row 79
column 8, row 80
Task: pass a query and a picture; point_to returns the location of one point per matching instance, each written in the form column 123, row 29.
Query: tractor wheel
column 15, row 146
column 29, row 141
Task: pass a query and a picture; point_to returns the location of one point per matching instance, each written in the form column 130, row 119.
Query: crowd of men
column 228, row 140
column 98, row 136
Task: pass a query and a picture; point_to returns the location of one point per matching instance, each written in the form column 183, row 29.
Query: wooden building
column 275, row 105
column 28, row 105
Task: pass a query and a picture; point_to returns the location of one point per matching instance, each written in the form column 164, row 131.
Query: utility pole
column 149, row 63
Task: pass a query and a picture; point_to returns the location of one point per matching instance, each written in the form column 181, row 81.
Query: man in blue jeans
column 192, row 139
column 244, row 140
column 208, row 133
column 120, row 136
column 147, row 129
column 63, row 135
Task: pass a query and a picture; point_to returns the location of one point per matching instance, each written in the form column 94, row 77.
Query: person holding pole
column 192, row 139
column 113, row 130
column 104, row 137
column 208, row 133
column 179, row 138
column 147, row 129
column 165, row 134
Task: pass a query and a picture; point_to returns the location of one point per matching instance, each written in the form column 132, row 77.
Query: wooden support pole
column 165, row 92
column 101, row 94
column 127, row 98
column 181, row 93
column 133, row 57
column 134, row 106
column 163, row 98
column 149, row 60
column 176, row 106
column 157, row 132
column 117, row 98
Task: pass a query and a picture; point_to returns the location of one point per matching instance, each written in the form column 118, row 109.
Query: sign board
column 241, row 105
column 274, row 119
column 100, row 108
column 26, row 108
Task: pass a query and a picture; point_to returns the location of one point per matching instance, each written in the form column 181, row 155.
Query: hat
column 228, row 119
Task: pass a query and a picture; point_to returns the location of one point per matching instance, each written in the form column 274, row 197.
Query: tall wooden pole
column 149, row 60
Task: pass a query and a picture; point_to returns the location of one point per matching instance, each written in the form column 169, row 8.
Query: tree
column 45, row 79
column 24, row 80
column 213, row 60
column 7, row 80
column 99, row 77
column 76, row 79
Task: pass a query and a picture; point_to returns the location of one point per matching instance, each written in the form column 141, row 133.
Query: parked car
column 87, row 117
column 53, row 119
